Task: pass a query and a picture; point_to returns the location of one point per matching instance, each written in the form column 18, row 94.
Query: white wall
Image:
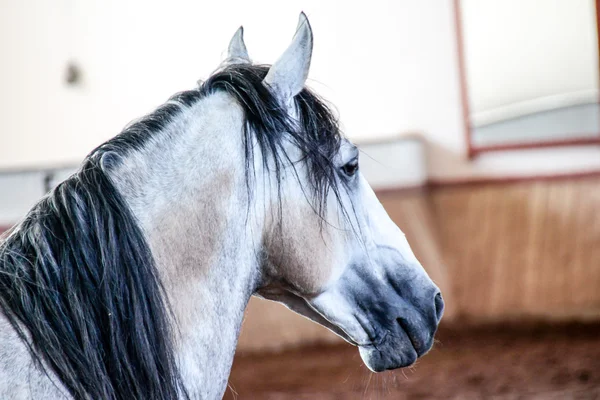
column 387, row 66
column 526, row 56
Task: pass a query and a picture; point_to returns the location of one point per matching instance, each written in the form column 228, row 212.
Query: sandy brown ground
column 502, row 362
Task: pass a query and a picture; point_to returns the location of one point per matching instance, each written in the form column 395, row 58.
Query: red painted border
column 433, row 184
column 598, row 34
column 541, row 144
column 472, row 150
column 404, row 190
column 502, row 180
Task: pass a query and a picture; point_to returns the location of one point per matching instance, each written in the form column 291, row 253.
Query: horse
column 129, row 280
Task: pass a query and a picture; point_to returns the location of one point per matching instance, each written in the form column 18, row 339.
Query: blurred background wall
column 134, row 54
column 502, row 210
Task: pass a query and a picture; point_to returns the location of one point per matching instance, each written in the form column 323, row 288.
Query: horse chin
column 391, row 353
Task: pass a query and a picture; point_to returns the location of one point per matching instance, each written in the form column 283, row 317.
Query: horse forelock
column 79, row 285
column 314, row 131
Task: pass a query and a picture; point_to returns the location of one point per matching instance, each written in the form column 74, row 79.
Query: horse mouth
column 418, row 344
column 397, row 348
column 392, row 352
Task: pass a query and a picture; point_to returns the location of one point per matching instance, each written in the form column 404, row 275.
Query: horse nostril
column 439, row 306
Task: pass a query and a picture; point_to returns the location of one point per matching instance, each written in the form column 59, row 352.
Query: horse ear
column 287, row 76
column 237, row 52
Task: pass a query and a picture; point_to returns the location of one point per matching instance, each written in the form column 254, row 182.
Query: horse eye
column 351, row 167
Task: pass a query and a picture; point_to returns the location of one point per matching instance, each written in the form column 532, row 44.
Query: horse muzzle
column 398, row 307
column 405, row 338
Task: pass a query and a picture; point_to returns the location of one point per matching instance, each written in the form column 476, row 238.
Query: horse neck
column 188, row 190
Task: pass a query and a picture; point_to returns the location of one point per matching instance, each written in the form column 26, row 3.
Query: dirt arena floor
column 502, row 362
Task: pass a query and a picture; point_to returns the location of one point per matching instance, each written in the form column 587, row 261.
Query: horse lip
column 389, row 358
column 408, row 331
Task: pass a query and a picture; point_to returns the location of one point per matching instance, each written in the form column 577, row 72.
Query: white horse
column 130, row 279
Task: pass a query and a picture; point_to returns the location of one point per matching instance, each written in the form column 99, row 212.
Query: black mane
column 79, row 285
column 77, row 279
column 316, row 133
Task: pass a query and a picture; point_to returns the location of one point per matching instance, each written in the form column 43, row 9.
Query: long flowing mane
column 78, row 282
column 79, row 285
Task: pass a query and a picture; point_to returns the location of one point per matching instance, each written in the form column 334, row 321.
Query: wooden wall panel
column 522, row 249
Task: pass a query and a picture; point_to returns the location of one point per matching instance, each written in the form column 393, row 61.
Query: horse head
column 331, row 252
